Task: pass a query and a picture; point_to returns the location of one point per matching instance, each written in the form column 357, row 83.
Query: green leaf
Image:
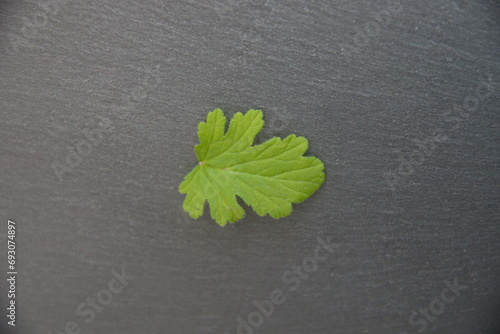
column 268, row 177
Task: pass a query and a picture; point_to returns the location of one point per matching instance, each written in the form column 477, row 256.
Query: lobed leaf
column 268, row 177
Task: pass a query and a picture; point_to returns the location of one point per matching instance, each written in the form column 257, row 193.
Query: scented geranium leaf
column 268, row 177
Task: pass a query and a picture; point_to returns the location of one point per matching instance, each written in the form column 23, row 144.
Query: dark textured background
column 364, row 81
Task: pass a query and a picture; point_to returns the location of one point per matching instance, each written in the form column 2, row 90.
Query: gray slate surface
column 365, row 81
